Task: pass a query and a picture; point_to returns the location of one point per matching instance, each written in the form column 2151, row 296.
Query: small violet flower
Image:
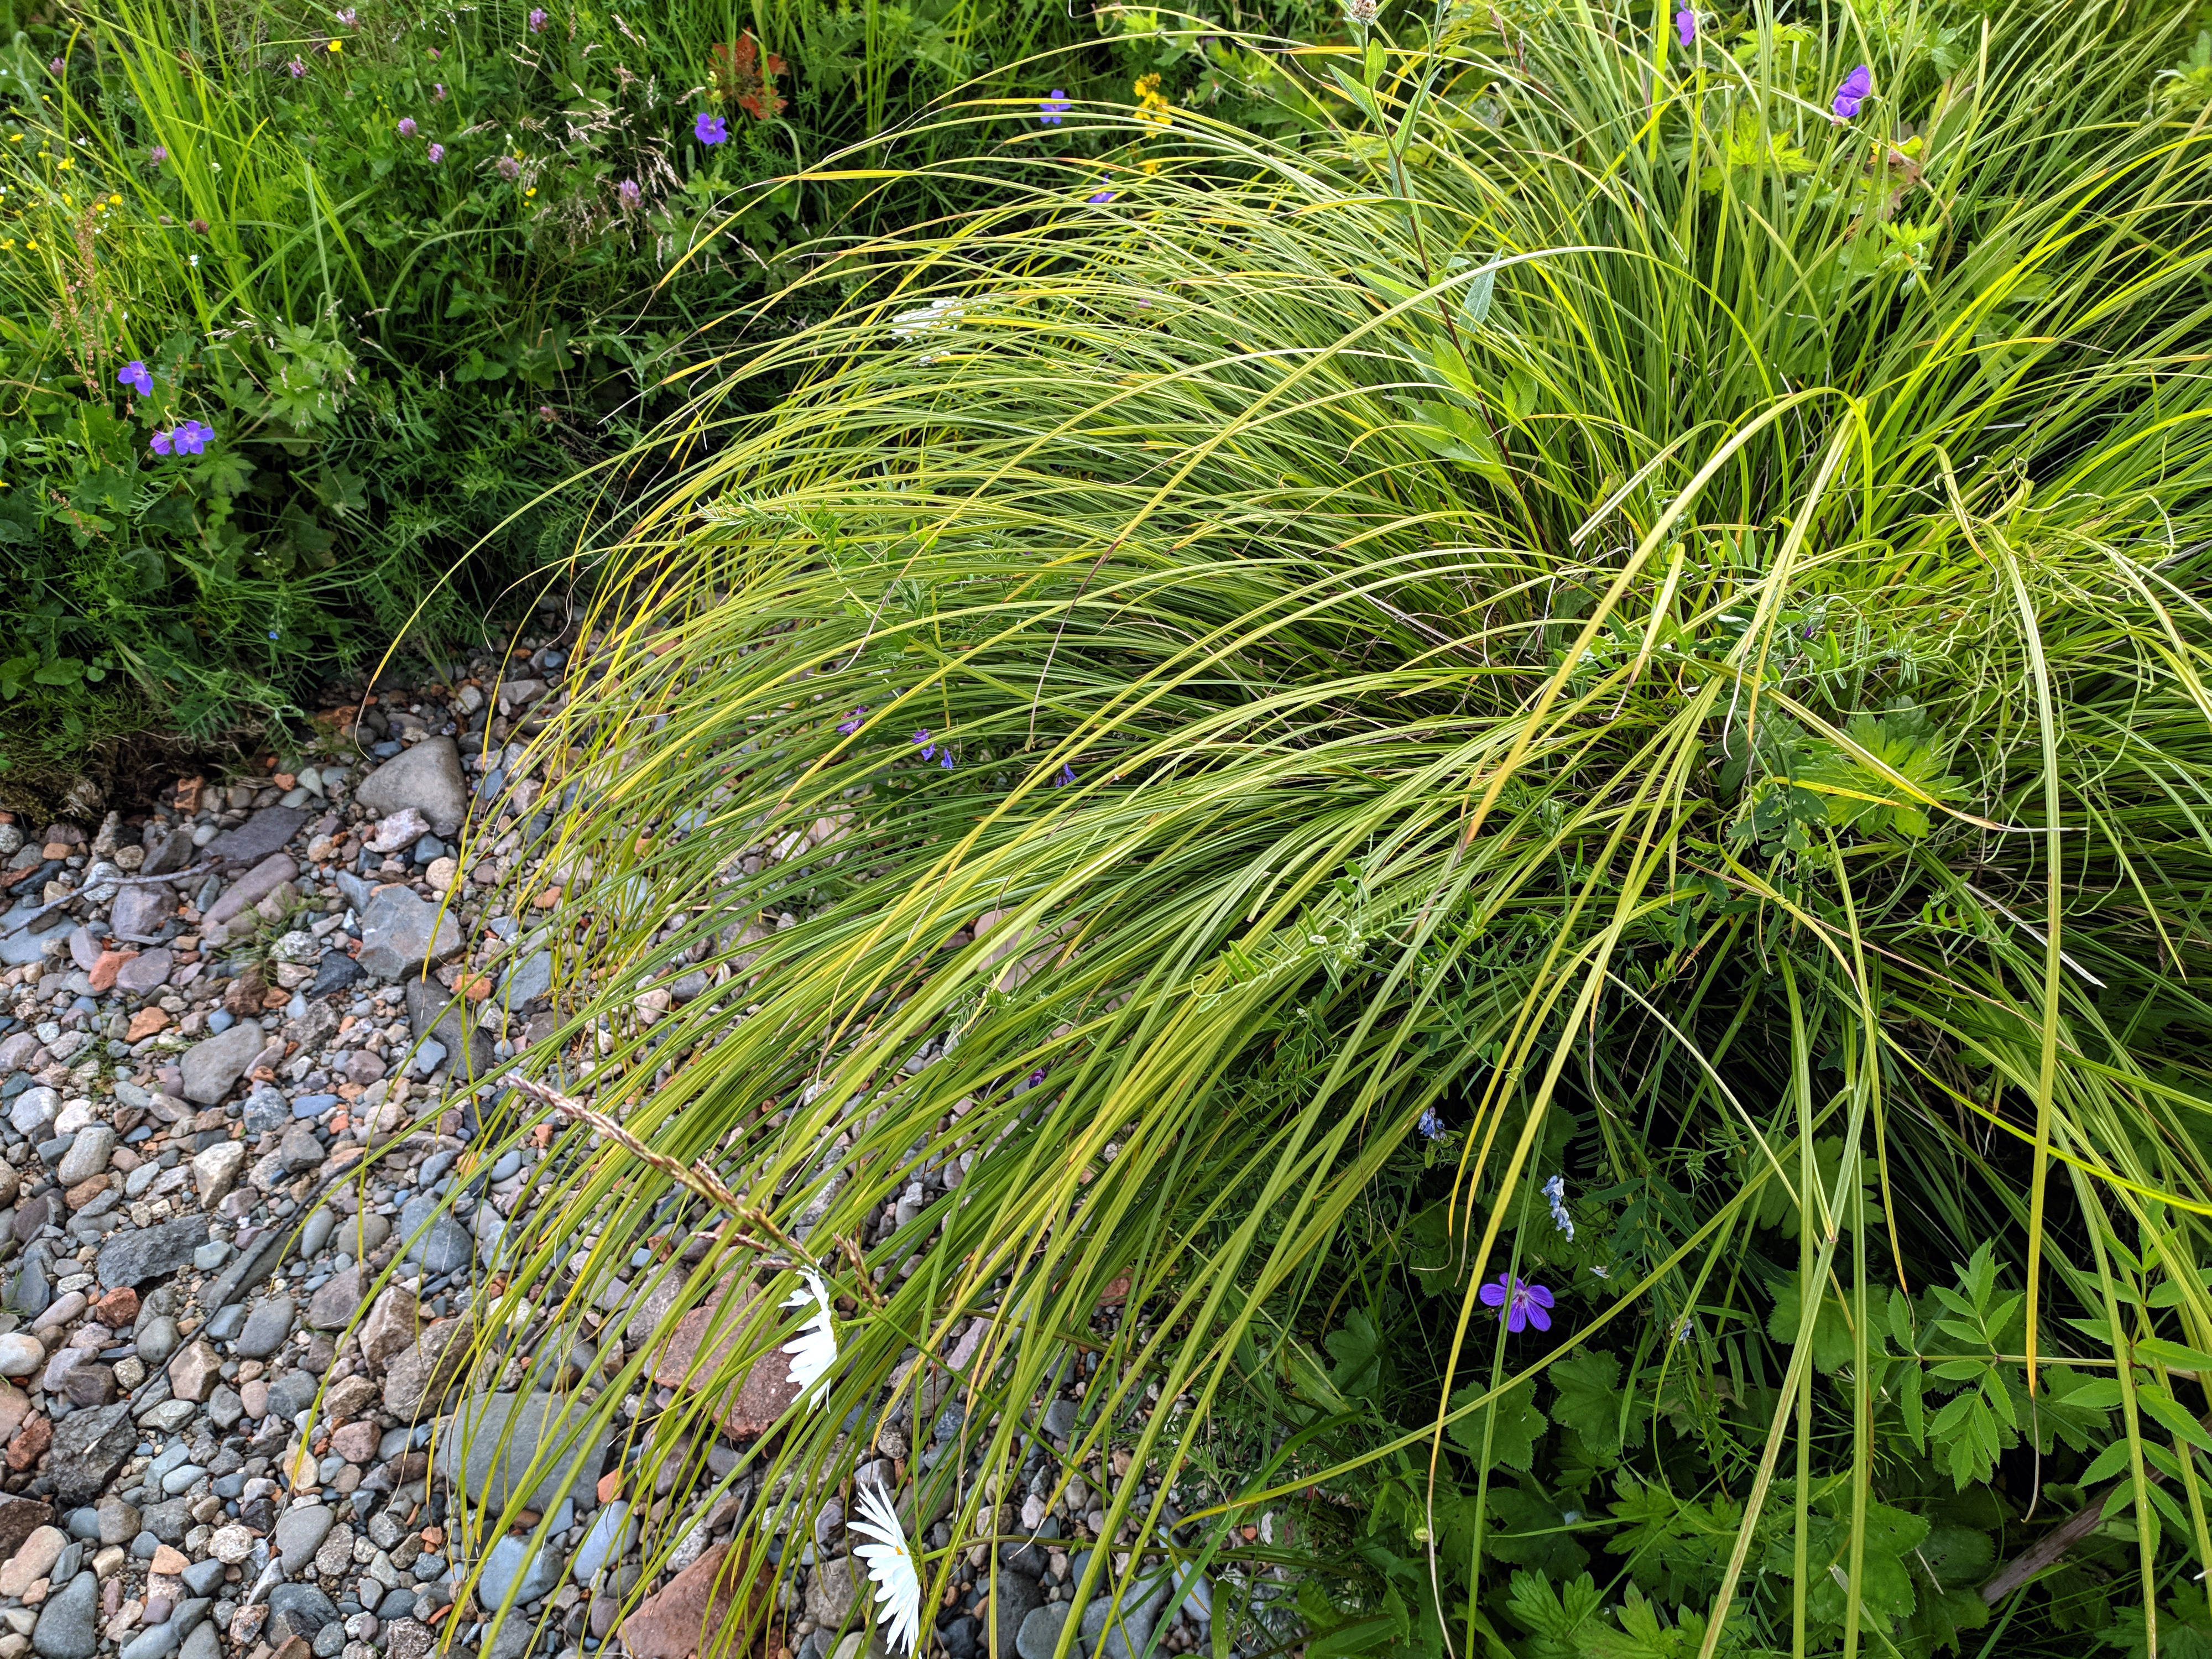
column 158, row 154
column 133, row 373
column 55, row 66
column 297, row 68
column 709, row 129
column 509, row 169
column 438, row 92
column 1102, row 198
column 1523, row 1305
column 406, row 126
column 850, row 726
column 928, row 749
column 1066, row 776
column 1686, row 26
column 1853, row 93
column 187, row 438
column 1555, row 1194
column 945, row 758
column 1431, row 1125
column 537, row 20
column 346, row 18
column 630, row 194
column 1051, row 109
column 437, row 154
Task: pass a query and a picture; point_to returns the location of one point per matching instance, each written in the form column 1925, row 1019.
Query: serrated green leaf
column 1518, row 1426
column 2174, row 1418
column 2157, row 1351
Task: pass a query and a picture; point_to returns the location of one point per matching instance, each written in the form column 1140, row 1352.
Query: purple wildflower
column 186, row 438
column 537, row 20
column 1524, row 1304
column 133, row 373
column 55, row 66
column 346, row 18
column 852, row 725
column 406, row 126
column 1853, row 93
column 509, row 169
column 1431, row 1125
column 928, row 749
column 1102, row 198
column 158, row 154
column 630, row 194
column 945, row 758
column 1051, row 109
column 297, row 68
column 709, row 129
column 1686, row 26
column 438, row 92
column 1066, row 776
column 437, row 154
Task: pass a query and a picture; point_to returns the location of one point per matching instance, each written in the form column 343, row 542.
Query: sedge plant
column 1590, row 679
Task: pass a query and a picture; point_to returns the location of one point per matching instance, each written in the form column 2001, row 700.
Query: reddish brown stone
column 692, row 1612
column 117, row 1307
column 30, row 1442
column 754, row 1403
column 145, row 1023
column 85, row 1191
column 105, row 970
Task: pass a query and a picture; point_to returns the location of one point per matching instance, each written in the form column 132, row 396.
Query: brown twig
column 2053, row 1544
column 697, row 1178
column 119, row 881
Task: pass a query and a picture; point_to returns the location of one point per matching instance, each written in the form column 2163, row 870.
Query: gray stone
column 131, row 1258
column 175, row 852
column 511, row 1566
column 333, row 1306
column 88, row 1447
column 211, row 1067
column 300, row 1151
column 203, row 1642
column 157, row 1339
column 1014, row 1597
column 265, row 833
column 119, row 1522
column 435, row 1013
column 169, row 1520
column 68, row 1626
column 527, row 981
column 444, row 1246
column 299, row 1610
column 400, row 930
column 266, row 1109
column 607, row 1539
column 335, row 972
column 1123, row 1634
column 427, row 777
column 267, row 1327
column 300, row 1533
column 154, row 1642
column 1040, row 1631
column 831, row 1592
column 488, row 1448
column 424, row 1374
column 249, row 890
column 140, row 911
column 87, row 1155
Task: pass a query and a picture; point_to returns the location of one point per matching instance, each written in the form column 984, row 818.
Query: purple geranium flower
column 1524, row 1304
column 1051, row 109
column 406, row 126
column 709, row 129
column 1853, row 92
column 537, row 20
column 186, row 438
column 347, row 18
column 850, row 726
column 133, row 373
column 1686, row 26
column 437, row 89
column 436, row 153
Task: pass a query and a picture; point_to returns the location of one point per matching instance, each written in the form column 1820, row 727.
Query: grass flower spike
column 814, row 1350
column 891, row 1564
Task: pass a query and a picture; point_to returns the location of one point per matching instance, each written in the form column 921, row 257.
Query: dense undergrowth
column 408, row 269
column 1593, row 680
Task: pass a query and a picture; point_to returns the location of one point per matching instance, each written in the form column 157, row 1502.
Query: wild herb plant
column 1590, row 678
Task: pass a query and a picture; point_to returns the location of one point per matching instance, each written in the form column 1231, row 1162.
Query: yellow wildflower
column 67, row 162
column 335, row 47
column 115, row 201
column 1152, row 107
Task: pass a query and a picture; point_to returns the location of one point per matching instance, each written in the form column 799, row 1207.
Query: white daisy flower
column 814, row 1350
column 891, row 1564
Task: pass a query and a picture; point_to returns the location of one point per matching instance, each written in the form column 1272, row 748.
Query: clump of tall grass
column 1596, row 676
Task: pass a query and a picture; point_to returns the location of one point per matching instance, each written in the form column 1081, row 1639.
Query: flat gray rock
column 1014, row 1597
column 1040, row 1632
column 489, row 1447
column 428, row 778
column 89, row 1446
column 299, row 1610
column 511, row 1566
column 68, row 1626
column 265, row 832
column 527, row 981
column 147, row 972
column 140, row 910
column 444, row 1246
column 436, row 1013
column 300, row 1533
column 133, row 1257
column 211, row 1067
column 400, row 931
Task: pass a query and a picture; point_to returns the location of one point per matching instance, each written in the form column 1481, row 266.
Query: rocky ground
column 210, row 1017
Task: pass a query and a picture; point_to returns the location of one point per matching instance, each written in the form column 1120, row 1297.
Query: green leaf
column 2157, row 1351
column 1518, row 1426
column 2176, row 1418
column 1587, row 1398
column 2073, row 1407
column 1531, row 1529
column 1356, row 1349
column 1553, row 1616
column 1833, row 1346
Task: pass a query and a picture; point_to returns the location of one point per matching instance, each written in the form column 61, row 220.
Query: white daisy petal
column 814, row 1350
column 891, row 1564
